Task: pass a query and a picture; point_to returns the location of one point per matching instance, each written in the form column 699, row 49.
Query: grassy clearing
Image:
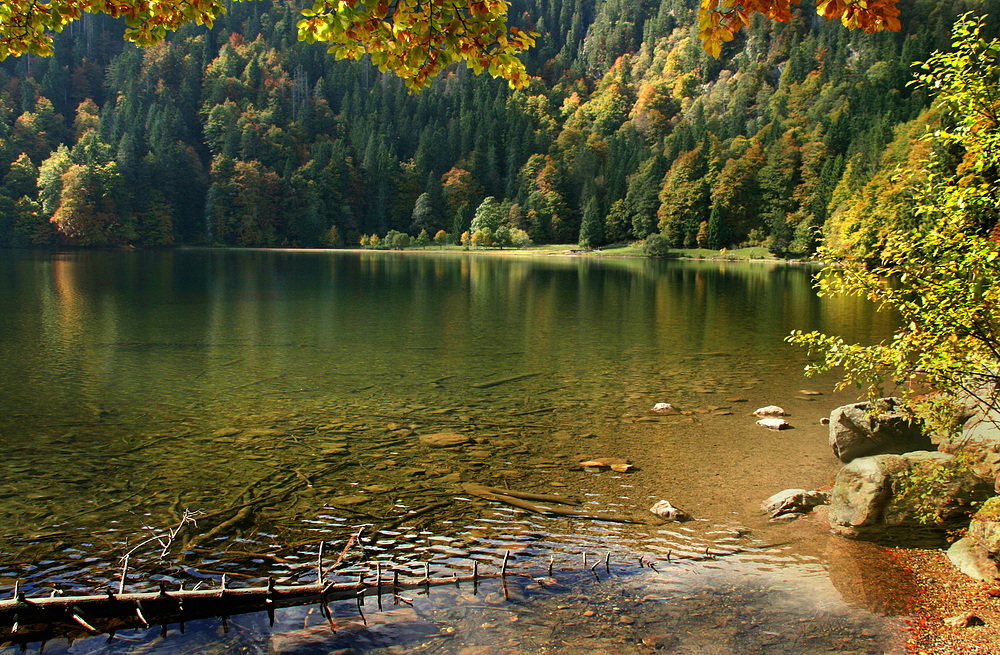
column 634, row 249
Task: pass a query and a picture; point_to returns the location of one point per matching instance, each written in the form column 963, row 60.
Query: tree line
column 243, row 136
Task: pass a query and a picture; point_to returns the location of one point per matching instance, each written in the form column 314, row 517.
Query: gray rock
column 913, row 492
column 773, row 423
column 984, row 528
column 973, row 560
column 793, row 501
column 976, row 553
column 854, row 433
column 665, row 510
column 979, row 441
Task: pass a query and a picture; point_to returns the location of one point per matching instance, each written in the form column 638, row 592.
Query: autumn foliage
column 720, row 20
column 412, row 39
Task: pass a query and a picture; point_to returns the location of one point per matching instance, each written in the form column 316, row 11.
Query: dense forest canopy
column 244, row 135
column 412, row 39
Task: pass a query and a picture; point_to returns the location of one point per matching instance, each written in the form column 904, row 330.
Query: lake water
column 281, row 397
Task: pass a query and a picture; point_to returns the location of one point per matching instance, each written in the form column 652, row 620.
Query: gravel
column 944, row 593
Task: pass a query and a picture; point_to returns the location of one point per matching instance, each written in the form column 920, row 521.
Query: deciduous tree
column 942, row 277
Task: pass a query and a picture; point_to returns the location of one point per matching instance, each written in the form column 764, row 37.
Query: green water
column 282, row 395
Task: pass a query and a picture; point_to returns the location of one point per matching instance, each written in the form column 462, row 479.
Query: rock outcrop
column 855, row 432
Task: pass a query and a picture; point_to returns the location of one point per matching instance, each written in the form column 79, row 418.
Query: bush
column 656, row 245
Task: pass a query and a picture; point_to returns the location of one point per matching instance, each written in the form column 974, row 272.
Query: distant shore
column 634, row 250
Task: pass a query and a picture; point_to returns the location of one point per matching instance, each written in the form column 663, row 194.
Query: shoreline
column 632, row 251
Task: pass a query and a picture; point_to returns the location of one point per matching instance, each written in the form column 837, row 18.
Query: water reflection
column 139, row 384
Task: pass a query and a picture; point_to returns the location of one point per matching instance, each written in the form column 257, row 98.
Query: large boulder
column 976, row 554
column 913, row 496
column 979, row 444
column 859, row 430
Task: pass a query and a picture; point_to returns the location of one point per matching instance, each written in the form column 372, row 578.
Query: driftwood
column 497, row 383
column 524, row 501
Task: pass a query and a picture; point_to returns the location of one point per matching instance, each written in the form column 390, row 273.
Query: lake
column 280, row 397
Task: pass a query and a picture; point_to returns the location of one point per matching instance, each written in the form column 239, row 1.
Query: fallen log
column 512, row 499
column 545, row 498
column 497, row 383
column 24, row 620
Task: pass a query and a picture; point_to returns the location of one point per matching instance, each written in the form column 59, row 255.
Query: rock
column 444, row 440
column 985, row 526
column 773, row 423
column 854, row 433
column 976, row 553
column 965, row 620
column 225, row 432
column 810, row 392
column 825, row 420
column 980, row 443
column 613, row 463
column 665, row 510
column 769, row 410
column 666, row 640
column 907, row 494
column 793, row 501
column 973, row 560
column 661, row 408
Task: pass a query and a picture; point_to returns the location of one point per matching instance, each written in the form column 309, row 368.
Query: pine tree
column 591, row 228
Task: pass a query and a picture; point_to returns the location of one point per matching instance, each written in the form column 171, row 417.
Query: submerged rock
column 856, row 432
column 793, row 501
column 614, row 463
column 444, row 440
column 665, row 510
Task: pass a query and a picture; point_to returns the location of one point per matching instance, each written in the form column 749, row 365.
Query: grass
column 634, row 249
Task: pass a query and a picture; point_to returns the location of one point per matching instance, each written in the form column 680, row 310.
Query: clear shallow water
column 282, row 394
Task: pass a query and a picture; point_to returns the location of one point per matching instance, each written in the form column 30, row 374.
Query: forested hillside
column 243, row 136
